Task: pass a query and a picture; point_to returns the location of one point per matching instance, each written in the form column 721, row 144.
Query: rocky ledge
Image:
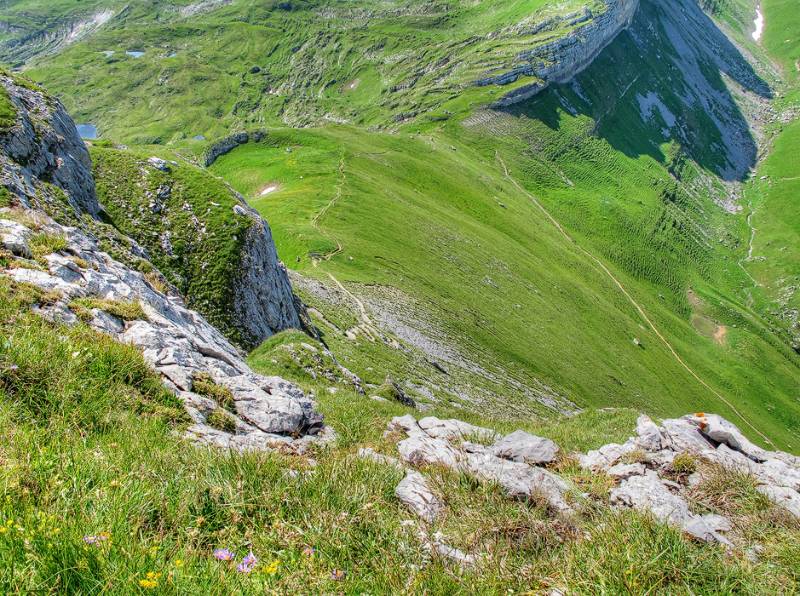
column 559, row 60
column 45, row 169
column 640, row 469
column 236, row 408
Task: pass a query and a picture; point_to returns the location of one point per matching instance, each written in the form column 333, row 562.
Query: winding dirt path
column 630, row 299
column 316, row 219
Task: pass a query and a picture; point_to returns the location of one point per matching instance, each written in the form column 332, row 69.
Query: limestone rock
column 649, row 493
column 720, row 430
column 14, row 238
column 623, row 471
column 454, row 429
column 783, row 497
column 606, row 456
column 372, row 455
column 44, row 145
column 414, row 492
column 519, row 480
column 649, row 436
column 559, row 60
column 521, row 446
column 421, row 449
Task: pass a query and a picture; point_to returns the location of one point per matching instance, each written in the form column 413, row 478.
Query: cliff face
column 44, row 146
column 203, row 237
column 560, row 60
column 44, row 162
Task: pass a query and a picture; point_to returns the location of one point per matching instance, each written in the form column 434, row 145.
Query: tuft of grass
column 6, row 198
column 156, row 280
column 8, row 113
column 203, row 384
column 684, row 464
column 127, row 310
column 730, row 492
column 44, row 243
column 221, row 420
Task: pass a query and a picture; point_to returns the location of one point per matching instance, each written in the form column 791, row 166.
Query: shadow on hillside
column 664, row 80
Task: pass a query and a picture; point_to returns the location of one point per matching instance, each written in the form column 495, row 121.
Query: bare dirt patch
column 351, row 85
column 269, row 188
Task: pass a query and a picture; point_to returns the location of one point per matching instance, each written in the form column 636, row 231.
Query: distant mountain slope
column 586, row 247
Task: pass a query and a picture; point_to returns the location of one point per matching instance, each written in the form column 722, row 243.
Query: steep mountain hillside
column 528, row 237
column 586, row 247
column 156, row 72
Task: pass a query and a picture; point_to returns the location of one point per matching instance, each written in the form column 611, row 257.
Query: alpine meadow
column 400, row 296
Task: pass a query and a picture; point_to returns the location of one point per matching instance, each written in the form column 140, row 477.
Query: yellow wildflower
column 148, row 584
column 272, row 568
column 3, row 529
column 178, row 563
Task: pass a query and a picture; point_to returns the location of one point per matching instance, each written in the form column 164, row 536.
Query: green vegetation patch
column 184, row 218
column 127, row 310
column 8, row 112
column 203, row 384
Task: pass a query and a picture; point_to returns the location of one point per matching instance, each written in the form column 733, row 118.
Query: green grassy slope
column 111, row 500
column 498, row 276
column 632, row 173
column 184, row 219
column 362, row 62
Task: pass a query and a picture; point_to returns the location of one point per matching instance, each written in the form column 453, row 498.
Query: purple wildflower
column 247, row 564
column 95, row 540
column 223, row 554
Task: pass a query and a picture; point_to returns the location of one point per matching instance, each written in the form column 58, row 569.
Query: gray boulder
column 524, row 447
column 649, row 494
column 648, row 435
column 14, row 238
column 414, row 492
column 455, row 429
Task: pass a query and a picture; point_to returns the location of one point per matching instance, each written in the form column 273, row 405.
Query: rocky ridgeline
column 640, row 468
column 230, row 405
column 560, row 60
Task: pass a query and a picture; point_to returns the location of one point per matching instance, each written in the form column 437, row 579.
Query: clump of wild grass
column 204, row 385
column 221, row 420
column 44, row 243
column 127, row 310
column 684, row 464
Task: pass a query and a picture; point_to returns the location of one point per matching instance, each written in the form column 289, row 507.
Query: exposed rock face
column 263, row 299
column 44, row 145
column 560, row 60
column 178, row 342
column 706, row 436
column 228, row 144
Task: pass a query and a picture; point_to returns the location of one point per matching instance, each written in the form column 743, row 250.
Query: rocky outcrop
column 442, row 442
column 42, row 162
column 179, row 343
column 44, row 146
column 705, row 436
column 651, row 484
column 228, row 144
column 49, row 37
column 263, row 300
column 559, row 60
